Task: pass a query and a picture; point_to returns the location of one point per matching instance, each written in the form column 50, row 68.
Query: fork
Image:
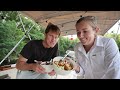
column 65, row 56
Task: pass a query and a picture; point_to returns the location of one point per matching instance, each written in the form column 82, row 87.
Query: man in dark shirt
column 38, row 50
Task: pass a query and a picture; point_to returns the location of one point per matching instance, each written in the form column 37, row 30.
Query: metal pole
column 23, row 26
column 16, row 45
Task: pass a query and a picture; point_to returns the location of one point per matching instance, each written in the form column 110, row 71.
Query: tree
column 9, row 36
column 66, row 44
column 114, row 36
column 9, row 15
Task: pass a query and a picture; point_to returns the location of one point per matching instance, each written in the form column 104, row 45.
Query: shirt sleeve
column 81, row 73
column 27, row 51
column 112, row 60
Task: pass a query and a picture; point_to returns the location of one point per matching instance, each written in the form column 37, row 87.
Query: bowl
column 61, row 69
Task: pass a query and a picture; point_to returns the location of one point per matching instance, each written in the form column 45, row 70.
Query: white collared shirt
column 101, row 62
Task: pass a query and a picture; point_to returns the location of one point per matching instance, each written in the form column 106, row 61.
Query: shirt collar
column 81, row 48
column 98, row 41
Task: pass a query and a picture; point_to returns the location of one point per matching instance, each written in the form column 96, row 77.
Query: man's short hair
column 53, row 28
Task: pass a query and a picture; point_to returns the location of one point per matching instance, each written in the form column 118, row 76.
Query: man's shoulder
column 34, row 41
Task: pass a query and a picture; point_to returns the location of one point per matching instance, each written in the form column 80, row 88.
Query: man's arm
column 22, row 65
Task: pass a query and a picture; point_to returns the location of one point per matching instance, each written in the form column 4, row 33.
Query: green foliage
column 118, row 41
column 66, row 44
column 37, row 30
column 115, row 36
column 11, row 31
column 9, row 15
column 9, row 36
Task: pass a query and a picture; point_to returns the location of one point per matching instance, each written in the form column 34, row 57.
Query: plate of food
column 63, row 67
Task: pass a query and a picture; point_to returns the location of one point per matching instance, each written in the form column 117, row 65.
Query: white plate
column 48, row 68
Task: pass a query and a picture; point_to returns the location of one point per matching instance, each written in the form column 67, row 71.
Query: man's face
column 85, row 33
column 51, row 39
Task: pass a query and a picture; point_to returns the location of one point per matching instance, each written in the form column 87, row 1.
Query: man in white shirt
column 97, row 57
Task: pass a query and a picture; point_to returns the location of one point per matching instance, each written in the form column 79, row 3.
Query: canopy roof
column 66, row 19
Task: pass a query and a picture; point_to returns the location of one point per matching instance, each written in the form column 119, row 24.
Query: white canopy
column 66, row 19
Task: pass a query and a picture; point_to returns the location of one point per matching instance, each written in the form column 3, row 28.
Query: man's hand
column 52, row 73
column 39, row 69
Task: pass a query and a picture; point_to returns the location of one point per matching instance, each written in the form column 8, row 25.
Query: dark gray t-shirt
column 34, row 50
